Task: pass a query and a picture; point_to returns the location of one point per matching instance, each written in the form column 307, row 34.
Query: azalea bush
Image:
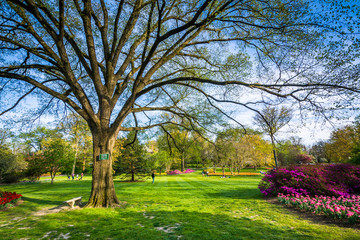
column 176, row 172
column 235, row 174
column 336, row 207
column 326, row 180
column 7, row 199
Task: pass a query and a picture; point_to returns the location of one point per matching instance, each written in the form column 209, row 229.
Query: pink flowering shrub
column 328, row 180
column 336, row 207
column 175, row 172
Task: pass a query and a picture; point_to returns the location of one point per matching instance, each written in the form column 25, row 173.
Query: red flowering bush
column 7, row 199
column 338, row 208
column 328, row 180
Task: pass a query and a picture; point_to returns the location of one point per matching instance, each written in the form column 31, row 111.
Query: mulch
column 317, row 219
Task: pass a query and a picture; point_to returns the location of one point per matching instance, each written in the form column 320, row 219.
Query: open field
column 187, row 206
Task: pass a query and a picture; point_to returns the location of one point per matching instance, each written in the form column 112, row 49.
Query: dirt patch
column 318, row 219
column 57, row 209
column 168, row 229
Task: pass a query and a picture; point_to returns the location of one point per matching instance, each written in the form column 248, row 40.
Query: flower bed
column 176, row 172
column 234, row 174
column 326, row 180
column 336, row 207
column 7, row 199
column 162, row 174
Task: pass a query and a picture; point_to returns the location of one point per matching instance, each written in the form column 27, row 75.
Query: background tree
column 11, row 165
column 80, row 136
column 35, row 166
column 343, row 143
column 288, row 151
column 132, row 159
column 57, row 156
column 304, row 159
column 34, row 140
column 160, row 160
column 271, row 120
column 319, row 152
column 258, row 150
column 114, row 61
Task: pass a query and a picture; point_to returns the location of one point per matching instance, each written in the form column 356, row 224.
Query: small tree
column 271, row 120
column 131, row 160
column 160, row 160
column 57, row 155
column 35, row 166
column 10, row 165
column 304, row 159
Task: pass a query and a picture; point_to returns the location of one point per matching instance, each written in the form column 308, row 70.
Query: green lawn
column 187, row 206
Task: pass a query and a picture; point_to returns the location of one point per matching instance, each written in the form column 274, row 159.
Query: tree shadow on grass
column 42, row 201
column 127, row 224
column 241, row 193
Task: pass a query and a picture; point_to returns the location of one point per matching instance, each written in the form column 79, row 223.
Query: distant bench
column 73, row 201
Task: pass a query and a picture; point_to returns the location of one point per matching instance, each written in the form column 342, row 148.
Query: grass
column 186, row 206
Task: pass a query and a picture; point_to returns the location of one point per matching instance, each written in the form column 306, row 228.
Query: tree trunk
column 83, row 168
column 52, row 174
column 103, row 190
column 76, row 154
column 182, row 162
column 132, row 172
column 274, row 151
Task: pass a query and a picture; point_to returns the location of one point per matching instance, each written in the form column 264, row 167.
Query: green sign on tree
column 104, row 156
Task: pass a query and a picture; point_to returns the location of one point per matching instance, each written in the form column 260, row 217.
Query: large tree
column 117, row 62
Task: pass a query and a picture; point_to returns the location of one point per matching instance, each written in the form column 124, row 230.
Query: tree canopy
column 119, row 64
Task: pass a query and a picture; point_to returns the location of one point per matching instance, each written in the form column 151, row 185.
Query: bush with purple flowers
column 176, row 172
column 326, row 180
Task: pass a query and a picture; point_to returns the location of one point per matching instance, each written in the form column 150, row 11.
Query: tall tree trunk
column 132, row 172
column 83, row 168
column 103, row 190
column 74, row 164
column 274, row 151
column 182, row 162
